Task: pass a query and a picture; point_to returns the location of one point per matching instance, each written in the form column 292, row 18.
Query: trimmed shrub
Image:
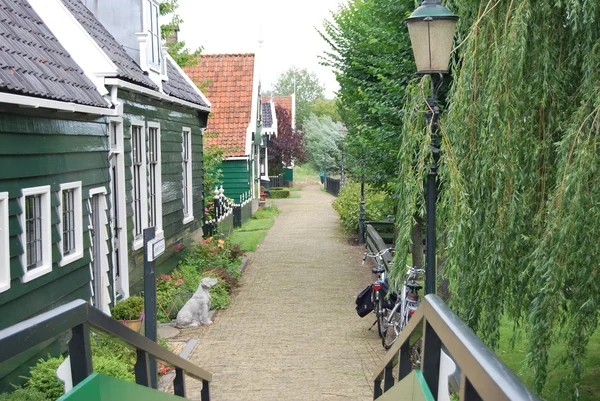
column 24, row 394
column 42, row 378
column 378, row 205
column 279, row 193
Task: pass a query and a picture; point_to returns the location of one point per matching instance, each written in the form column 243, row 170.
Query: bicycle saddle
column 414, row 286
column 378, row 270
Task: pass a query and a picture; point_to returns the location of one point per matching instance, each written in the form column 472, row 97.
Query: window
column 36, row 237
column 4, row 244
column 138, row 156
column 152, row 27
column 71, row 223
column 147, row 179
column 188, row 207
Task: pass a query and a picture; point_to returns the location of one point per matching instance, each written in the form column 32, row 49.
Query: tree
column 372, row 59
column 520, row 176
column 307, row 87
column 324, row 141
column 326, row 107
column 182, row 55
column 288, row 145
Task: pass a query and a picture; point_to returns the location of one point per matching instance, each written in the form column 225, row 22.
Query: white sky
column 288, row 33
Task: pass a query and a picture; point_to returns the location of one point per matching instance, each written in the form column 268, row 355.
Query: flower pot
column 135, row 325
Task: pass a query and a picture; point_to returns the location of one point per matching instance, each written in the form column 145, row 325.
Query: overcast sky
column 288, row 32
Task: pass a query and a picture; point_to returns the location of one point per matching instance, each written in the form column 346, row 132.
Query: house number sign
column 157, row 248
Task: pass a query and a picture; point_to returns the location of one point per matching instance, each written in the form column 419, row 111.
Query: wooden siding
column 172, row 119
column 42, row 148
column 236, row 178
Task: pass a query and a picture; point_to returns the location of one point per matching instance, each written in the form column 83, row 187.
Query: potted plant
column 130, row 311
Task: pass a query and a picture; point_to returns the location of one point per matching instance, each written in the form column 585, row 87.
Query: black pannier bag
column 364, row 302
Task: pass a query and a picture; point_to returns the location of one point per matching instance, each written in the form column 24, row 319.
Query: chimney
column 173, row 37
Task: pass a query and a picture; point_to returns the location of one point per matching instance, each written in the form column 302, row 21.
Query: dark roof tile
column 177, row 86
column 33, row 62
column 127, row 68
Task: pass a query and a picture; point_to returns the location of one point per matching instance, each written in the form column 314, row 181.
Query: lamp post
column 431, row 29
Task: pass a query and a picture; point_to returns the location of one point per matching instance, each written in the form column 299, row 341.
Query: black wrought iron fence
column 332, row 185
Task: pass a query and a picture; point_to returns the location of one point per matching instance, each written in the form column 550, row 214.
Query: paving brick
column 291, row 331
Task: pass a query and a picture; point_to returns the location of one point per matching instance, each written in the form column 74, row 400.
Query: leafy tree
column 213, row 158
column 324, row 141
column 372, row 59
column 326, row 107
column 520, row 175
column 182, row 55
column 307, row 87
column 288, row 145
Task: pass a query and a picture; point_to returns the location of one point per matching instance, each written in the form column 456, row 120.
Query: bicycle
column 406, row 305
column 379, row 290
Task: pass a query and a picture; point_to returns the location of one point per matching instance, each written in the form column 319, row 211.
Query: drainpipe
column 114, row 98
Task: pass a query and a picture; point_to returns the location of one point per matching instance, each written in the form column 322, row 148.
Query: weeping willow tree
column 519, row 207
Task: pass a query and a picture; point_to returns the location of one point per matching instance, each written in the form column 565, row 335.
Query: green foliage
column 519, row 176
column 248, row 240
column 24, row 394
column 213, row 158
column 378, row 205
column 183, row 56
column 307, row 86
column 42, row 378
column 373, row 62
column 279, row 193
column 326, row 107
column 131, row 308
column 114, row 367
column 105, row 346
column 324, row 141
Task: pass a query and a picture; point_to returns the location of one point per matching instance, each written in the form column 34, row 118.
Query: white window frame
column 188, row 197
column 46, row 232
column 138, row 241
column 78, row 254
column 148, row 7
column 4, row 243
column 158, row 177
column 117, row 151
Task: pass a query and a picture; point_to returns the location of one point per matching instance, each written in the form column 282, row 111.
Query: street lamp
column 431, row 29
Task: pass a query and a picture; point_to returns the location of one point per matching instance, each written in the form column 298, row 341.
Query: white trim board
column 78, row 221
column 4, row 243
column 36, row 102
column 46, row 233
column 152, row 93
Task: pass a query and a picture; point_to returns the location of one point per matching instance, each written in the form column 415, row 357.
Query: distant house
column 232, row 85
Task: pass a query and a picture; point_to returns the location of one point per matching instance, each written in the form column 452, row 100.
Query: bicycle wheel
column 381, row 318
column 393, row 330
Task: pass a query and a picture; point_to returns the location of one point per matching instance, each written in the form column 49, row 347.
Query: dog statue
column 195, row 311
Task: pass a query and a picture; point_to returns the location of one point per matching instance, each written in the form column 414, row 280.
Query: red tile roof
column 229, row 79
column 283, row 101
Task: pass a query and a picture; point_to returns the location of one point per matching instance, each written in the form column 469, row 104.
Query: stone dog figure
column 195, row 311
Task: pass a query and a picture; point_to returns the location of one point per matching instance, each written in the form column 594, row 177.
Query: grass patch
column 513, row 357
column 294, row 195
column 267, row 212
column 304, row 172
column 257, row 225
column 248, row 240
column 294, row 189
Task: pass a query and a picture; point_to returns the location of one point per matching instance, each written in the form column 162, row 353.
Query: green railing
column 483, row 376
column 79, row 318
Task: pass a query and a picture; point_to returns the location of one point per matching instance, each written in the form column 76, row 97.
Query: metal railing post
column 179, row 383
column 432, row 348
column 205, row 394
column 142, row 368
column 80, row 351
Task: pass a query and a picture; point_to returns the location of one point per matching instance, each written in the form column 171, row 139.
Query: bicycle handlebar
column 376, row 255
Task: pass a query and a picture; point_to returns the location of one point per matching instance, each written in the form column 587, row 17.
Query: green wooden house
column 98, row 141
column 234, row 91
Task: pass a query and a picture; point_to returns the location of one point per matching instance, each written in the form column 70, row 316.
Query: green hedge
column 378, row 205
column 279, row 193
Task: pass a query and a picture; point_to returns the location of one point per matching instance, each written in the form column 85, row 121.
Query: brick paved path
column 291, row 332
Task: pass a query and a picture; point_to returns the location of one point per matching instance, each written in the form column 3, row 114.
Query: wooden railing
column 483, row 376
column 375, row 244
column 79, row 318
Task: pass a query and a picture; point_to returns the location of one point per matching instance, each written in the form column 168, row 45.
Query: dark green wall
column 48, row 149
column 172, row 119
column 236, row 178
